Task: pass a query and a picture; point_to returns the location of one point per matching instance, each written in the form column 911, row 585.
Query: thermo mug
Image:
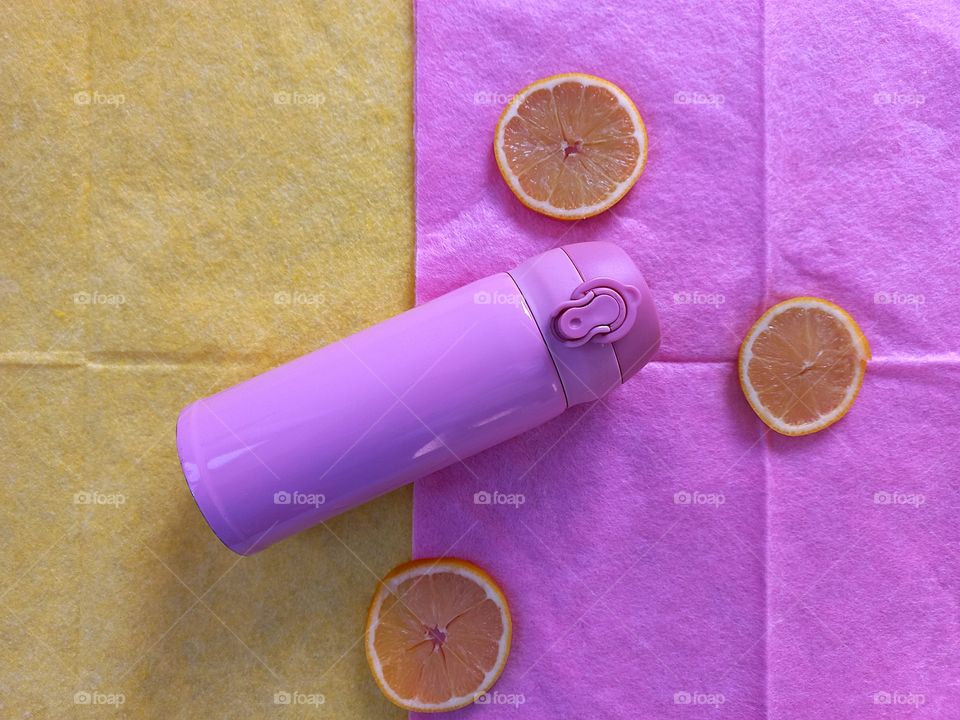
column 310, row 439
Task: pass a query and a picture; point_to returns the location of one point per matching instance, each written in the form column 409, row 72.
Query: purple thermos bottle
column 313, row 438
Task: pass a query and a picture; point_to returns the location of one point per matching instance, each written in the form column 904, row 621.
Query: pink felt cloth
column 795, row 148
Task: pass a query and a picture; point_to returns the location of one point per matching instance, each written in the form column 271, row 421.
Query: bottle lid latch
column 602, row 310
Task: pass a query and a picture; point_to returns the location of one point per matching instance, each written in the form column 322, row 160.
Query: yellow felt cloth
column 190, row 193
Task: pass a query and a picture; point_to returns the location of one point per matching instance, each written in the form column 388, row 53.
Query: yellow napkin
column 190, row 194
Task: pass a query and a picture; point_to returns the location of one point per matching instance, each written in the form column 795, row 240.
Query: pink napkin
column 671, row 557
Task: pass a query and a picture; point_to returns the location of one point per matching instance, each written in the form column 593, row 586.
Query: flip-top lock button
column 602, row 310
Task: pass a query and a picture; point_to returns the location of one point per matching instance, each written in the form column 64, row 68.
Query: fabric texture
column 666, row 554
column 190, row 194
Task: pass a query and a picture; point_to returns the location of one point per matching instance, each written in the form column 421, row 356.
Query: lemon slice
column 570, row 146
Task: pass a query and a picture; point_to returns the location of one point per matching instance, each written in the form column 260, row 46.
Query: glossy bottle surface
column 310, row 439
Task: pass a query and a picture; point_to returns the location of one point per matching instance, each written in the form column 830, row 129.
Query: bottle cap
column 596, row 315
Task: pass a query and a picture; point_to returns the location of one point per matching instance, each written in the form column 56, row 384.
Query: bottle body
column 425, row 389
